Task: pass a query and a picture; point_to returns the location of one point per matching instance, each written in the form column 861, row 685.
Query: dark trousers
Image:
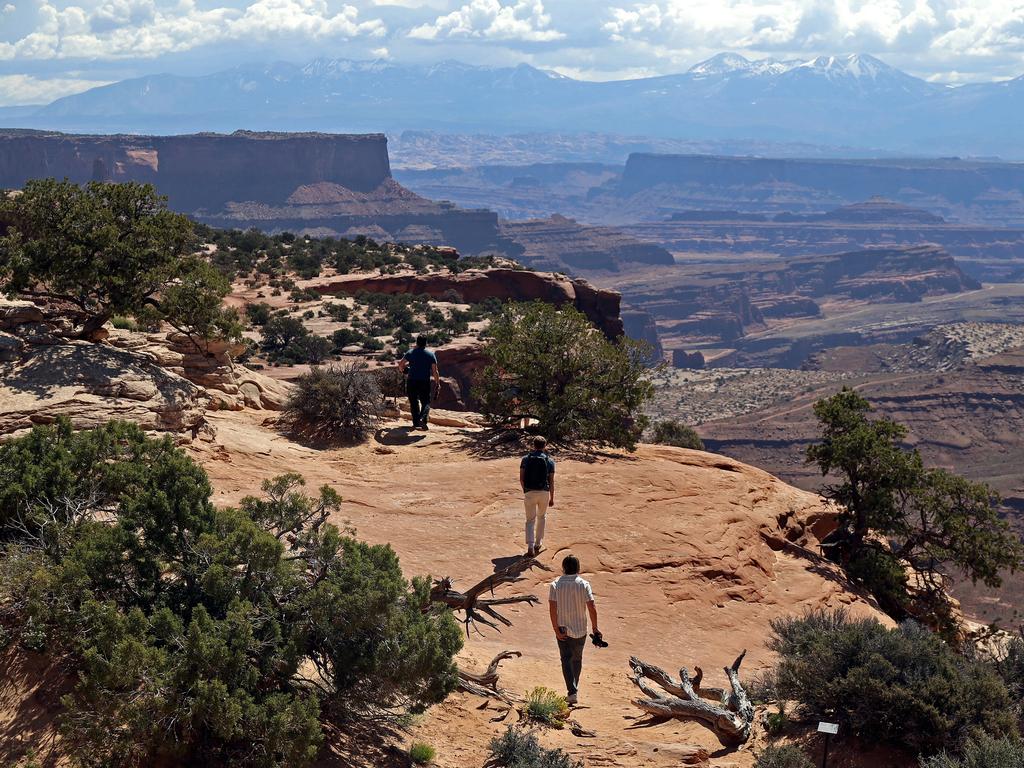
column 419, row 400
column 571, row 651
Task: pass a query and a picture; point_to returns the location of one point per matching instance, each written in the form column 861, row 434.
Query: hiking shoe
column 538, row 549
column 572, row 699
column 530, row 552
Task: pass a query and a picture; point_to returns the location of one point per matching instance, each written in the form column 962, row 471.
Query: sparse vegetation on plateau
column 549, row 364
column 203, row 635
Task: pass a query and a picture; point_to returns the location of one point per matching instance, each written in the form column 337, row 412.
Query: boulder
column 689, row 360
column 92, row 384
column 230, row 385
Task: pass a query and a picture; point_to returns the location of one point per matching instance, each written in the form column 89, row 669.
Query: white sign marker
column 832, row 728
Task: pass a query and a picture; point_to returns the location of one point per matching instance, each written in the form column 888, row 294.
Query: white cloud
column 523, row 21
column 918, row 34
column 25, row 89
column 140, row 29
column 9, row 8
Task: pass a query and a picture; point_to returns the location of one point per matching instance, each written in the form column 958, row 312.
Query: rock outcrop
column 684, row 550
column 461, row 360
column 599, row 305
column 639, row 325
column 228, row 384
column 161, row 381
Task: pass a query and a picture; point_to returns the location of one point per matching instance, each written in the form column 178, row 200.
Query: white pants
column 536, row 506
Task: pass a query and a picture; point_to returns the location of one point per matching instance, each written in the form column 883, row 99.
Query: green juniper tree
column 204, row 635
column 550, row 364
column 895, row 512
column 106, row 250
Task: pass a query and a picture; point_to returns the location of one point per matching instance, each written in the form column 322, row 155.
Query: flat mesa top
column 21, row 133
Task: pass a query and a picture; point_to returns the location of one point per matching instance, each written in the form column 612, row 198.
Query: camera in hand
column 598, row 639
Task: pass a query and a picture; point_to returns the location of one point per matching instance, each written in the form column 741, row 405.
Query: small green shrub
column 336, row 403
column 546, row 706
column 775, row 723
column 984, row 752
column 258, row 313
column 421, row 753
column 904, row 686
column 520, row 749
column 676, row 434
column 1010, row 667
column 783, row 757
column 123, row 323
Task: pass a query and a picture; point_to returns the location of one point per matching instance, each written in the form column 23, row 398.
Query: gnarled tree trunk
column 474, row 605
column 727, row 713
column 486, row 683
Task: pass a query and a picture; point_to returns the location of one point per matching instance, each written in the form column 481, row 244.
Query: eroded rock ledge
column 162, row 382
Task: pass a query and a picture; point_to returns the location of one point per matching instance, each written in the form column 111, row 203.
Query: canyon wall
column 200, row 171
column 956, row 180
column 656, row 187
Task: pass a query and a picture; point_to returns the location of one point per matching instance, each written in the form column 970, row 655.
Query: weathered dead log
column 486, row 683
column 473, row 605
column 730, row 716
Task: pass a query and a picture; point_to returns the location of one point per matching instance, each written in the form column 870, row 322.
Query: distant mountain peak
column 852, row 65
column 720, row 64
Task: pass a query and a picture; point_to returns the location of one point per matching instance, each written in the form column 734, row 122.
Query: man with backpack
column 537, row 478
column 419, row 365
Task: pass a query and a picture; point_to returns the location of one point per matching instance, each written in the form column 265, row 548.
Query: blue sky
column 49, row 48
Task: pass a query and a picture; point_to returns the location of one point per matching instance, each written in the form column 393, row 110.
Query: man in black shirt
column 537, row 478
column 420, row 365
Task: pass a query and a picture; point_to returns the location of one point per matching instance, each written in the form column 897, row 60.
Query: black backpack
column 536, row 472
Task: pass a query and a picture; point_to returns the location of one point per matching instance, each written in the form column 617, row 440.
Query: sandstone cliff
column 748, row 184
column 600, row 306
column 308, row 183
column 200, row 171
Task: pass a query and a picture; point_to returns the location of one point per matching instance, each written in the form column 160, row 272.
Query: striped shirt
column 572, row 594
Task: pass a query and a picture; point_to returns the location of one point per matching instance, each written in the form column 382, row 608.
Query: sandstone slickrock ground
column 687, row 553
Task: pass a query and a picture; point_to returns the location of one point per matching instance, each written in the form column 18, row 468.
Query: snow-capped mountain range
column 852, row 100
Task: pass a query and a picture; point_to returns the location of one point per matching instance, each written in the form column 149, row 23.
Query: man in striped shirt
column 570, row 600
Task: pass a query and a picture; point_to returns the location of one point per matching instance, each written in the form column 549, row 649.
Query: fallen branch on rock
column 486, row 683
column 730, row 716
column 473, row 605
